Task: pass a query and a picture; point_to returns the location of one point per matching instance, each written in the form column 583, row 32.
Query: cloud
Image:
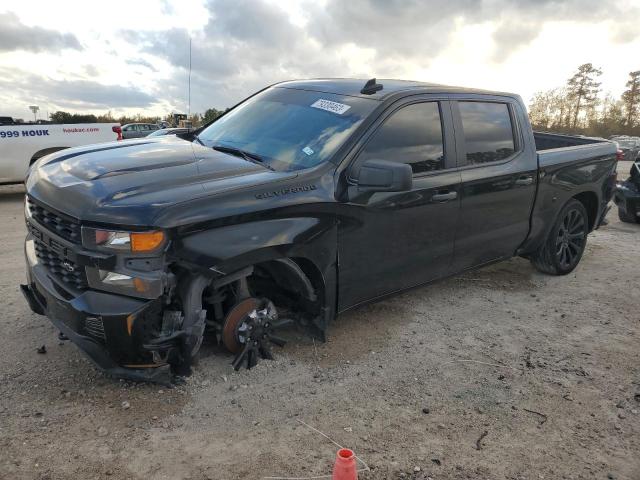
column 394, row 28
column 91, row 70
column 173, row 46
column 245, row 45
column 510, row 36
column 14, row 35
column 252, row 22
column 142, row 63
column 419, row 30
column 72, row 94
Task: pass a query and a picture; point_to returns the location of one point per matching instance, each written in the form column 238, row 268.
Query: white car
column 21, row 145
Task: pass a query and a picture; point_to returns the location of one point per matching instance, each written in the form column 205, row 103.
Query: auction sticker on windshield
column 329, row 106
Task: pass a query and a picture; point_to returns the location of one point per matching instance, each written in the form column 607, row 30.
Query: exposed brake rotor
column 249, row 329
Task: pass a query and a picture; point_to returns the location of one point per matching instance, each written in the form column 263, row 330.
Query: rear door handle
column 524, row 180
column 444, row 197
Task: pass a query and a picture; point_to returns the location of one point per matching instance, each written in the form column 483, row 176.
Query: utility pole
column 34, row 109
column 189, row 101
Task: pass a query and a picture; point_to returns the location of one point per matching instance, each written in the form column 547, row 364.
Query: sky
column 133, row 57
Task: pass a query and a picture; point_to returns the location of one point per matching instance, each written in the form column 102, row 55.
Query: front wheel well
column 294, row 281
column 590, row 202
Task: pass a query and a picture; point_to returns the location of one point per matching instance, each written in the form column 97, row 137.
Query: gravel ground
column 502, row 373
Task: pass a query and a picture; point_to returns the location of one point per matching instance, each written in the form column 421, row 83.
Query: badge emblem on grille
column 68, row 266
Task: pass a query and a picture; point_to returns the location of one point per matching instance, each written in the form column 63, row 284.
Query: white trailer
column 21, row 145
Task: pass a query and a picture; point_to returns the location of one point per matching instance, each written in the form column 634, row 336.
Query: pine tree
column 583, row 89
column 631, row 98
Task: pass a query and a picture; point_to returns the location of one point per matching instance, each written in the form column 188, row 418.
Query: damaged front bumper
column 111, row 329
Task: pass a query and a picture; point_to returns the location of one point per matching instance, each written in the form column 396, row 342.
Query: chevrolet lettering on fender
column 305, row 200
column 285, row 191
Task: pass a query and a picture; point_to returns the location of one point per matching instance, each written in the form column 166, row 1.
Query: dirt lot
column 548, row 367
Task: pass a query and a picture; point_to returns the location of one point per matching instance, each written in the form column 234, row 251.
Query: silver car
column 137, row 130
column 630, row 147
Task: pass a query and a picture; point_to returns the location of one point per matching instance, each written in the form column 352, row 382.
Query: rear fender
column 545, row 214
column 559, row 182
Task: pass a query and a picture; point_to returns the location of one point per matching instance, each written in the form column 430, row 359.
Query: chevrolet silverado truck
column 305, row 200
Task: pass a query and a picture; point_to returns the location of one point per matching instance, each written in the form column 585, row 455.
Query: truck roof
column 352, row 87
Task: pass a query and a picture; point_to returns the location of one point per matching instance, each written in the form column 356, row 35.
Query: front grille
column 66, row 227
column 61, row 268
column 94, row 327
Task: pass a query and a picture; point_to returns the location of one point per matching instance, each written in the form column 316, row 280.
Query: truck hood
column 130, row 182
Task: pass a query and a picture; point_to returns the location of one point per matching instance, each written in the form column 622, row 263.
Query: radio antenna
column 189, row 87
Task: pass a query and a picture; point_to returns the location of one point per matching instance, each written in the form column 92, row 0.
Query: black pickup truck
column 306, row 199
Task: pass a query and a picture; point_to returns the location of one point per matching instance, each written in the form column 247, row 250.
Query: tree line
column 66, row 117
column 579, row 107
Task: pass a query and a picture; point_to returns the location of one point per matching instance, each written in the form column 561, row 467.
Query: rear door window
column 488, row 131
column 410, row 135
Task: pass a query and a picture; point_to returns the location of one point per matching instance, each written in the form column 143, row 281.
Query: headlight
column 123, row 241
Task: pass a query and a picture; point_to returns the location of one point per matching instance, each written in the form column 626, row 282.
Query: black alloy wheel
column 571, row 239
column 562, row 250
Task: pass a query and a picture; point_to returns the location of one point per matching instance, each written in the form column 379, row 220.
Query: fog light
column 115, row 279
column 147, row 285
column 121, row 280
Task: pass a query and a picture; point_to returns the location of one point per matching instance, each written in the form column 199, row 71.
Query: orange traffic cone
column 345, row 466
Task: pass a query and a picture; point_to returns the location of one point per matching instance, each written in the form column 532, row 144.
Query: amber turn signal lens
column 146, row 242
column 140, row 285
column 130, row 319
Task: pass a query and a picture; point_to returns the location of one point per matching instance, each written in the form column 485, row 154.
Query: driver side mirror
column 384, row 176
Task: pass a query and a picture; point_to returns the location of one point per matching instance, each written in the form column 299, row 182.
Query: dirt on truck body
column 306, row 200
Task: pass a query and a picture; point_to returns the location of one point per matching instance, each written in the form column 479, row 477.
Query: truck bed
column 554, row 148
column 567, row 164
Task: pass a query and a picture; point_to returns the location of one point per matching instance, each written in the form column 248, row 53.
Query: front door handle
column 444, row 197
column 524, row 180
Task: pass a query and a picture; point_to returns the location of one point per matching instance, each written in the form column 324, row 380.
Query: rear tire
column 563, row 248
column 625, row 217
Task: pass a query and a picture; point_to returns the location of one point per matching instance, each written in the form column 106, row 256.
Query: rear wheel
column 566, row 242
